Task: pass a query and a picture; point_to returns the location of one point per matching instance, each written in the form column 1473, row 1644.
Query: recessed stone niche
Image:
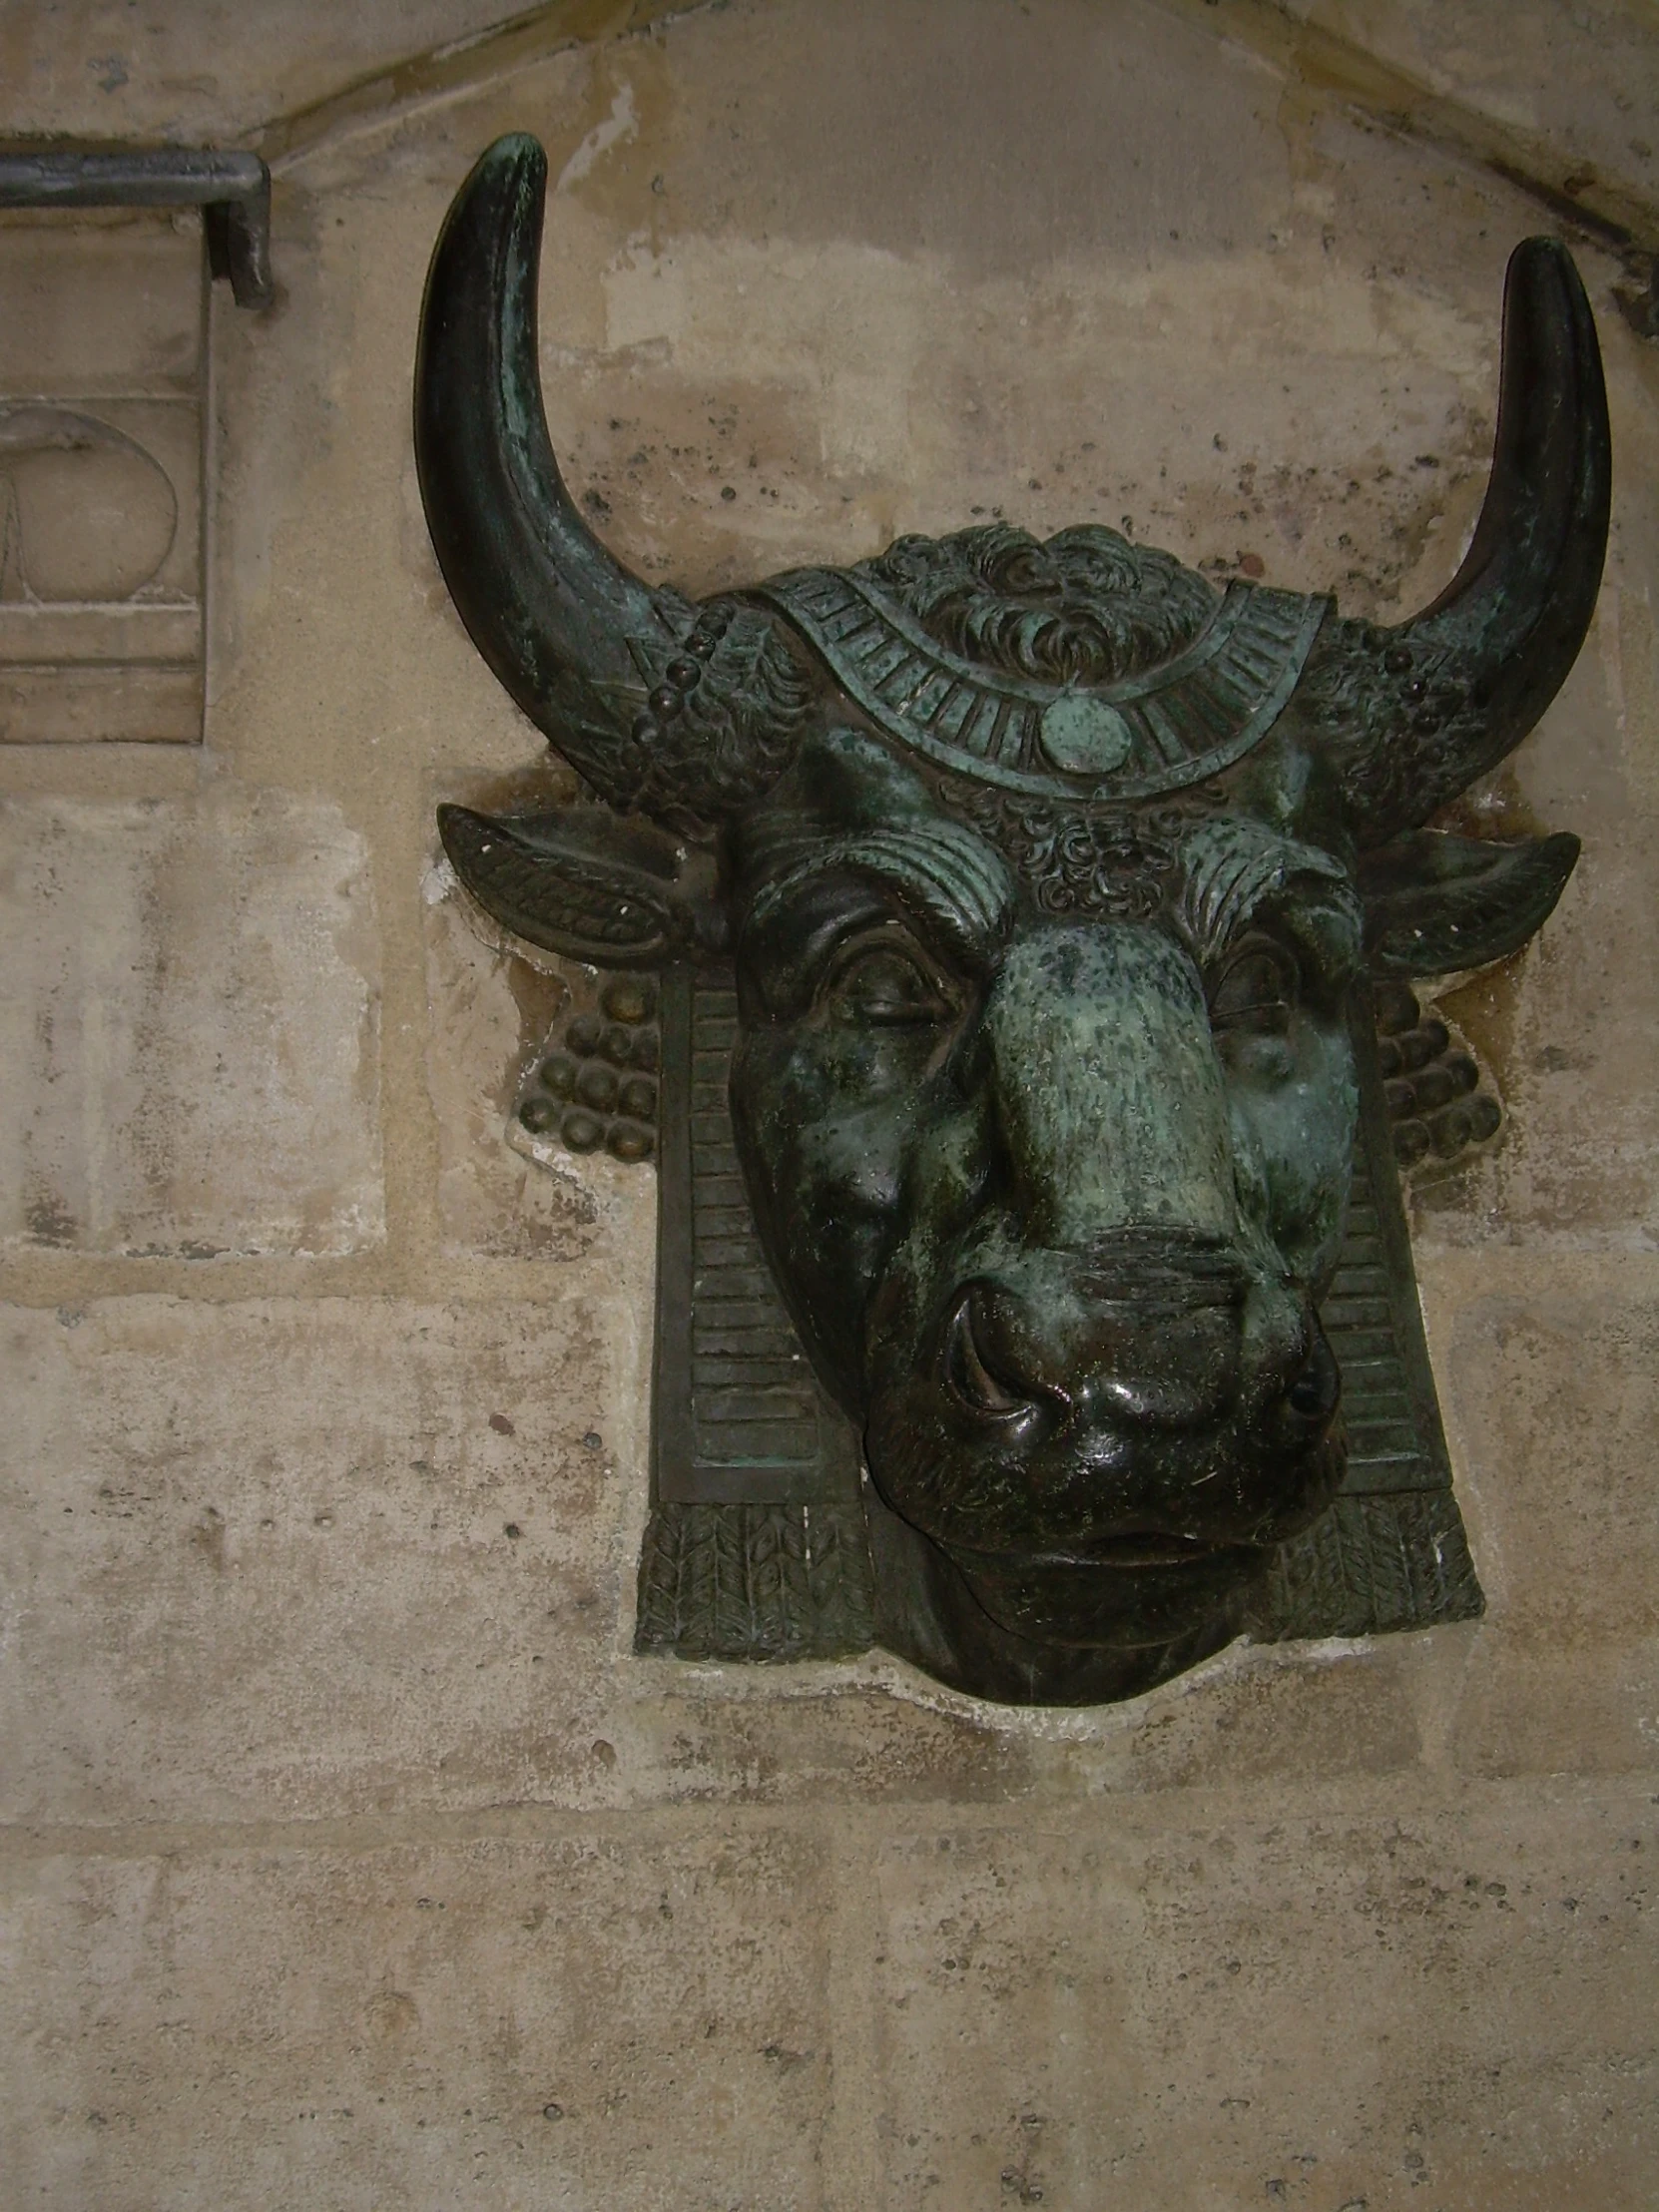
column 103, row 319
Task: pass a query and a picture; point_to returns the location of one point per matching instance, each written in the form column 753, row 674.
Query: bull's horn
column 576, row 640
column 1420, row 711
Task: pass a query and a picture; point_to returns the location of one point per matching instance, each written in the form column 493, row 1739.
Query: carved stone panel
column 102, row 384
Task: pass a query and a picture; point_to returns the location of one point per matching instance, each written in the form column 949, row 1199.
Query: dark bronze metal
column 1028, row 1121
column 597, row 1085
column 232, row 189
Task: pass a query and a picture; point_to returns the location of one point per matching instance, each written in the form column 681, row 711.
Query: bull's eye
column 885, row 979
column 1257, row 991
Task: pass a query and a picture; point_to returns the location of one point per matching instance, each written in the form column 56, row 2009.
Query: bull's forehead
column 972, row 861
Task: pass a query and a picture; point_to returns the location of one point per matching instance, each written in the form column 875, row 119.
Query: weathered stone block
column 591, row 2022
column 1551, row 1400
column 188, row 1016
column 1523, row 1709
column 1380, row 2007
column 1282, row 1717
column 310, row 1555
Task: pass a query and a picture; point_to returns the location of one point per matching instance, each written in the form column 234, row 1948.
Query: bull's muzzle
column 1116, row 1475
column 1091, row 1418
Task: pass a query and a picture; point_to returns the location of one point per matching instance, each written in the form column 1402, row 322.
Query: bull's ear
column 1436, row 903
column 588, row 885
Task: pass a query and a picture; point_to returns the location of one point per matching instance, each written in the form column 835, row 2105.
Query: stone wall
column 350, row 1859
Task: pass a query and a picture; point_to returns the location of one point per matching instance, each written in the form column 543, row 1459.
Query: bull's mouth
column 1149, row 1550
column 1138, row 1552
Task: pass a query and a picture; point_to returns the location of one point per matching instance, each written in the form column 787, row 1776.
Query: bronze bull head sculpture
column 1050, row 876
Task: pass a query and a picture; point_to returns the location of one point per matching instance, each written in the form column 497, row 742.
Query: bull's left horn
column 576, row 639
column 1418, row 711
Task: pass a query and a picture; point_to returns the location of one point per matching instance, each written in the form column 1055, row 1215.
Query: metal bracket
column 232, row 189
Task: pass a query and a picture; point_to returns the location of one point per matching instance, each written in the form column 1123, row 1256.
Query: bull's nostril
column 1315, row 1392
column 969, row 1376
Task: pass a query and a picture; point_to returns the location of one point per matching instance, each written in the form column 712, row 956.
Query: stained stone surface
column 1580, row 82
column 1572, row 1534
column 326, row 1555
column 1549, row 1396
column 189, row 1006
column 620, row 2017
column 274, row 1672
column 1081, row 2017
column 84, row 68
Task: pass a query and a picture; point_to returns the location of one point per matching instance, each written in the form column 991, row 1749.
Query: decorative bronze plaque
column 1007, row 947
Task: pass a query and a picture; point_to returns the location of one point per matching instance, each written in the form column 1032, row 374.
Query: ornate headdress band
column 1137, row 739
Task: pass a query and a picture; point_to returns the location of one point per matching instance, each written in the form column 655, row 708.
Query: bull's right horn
column 594, row 656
